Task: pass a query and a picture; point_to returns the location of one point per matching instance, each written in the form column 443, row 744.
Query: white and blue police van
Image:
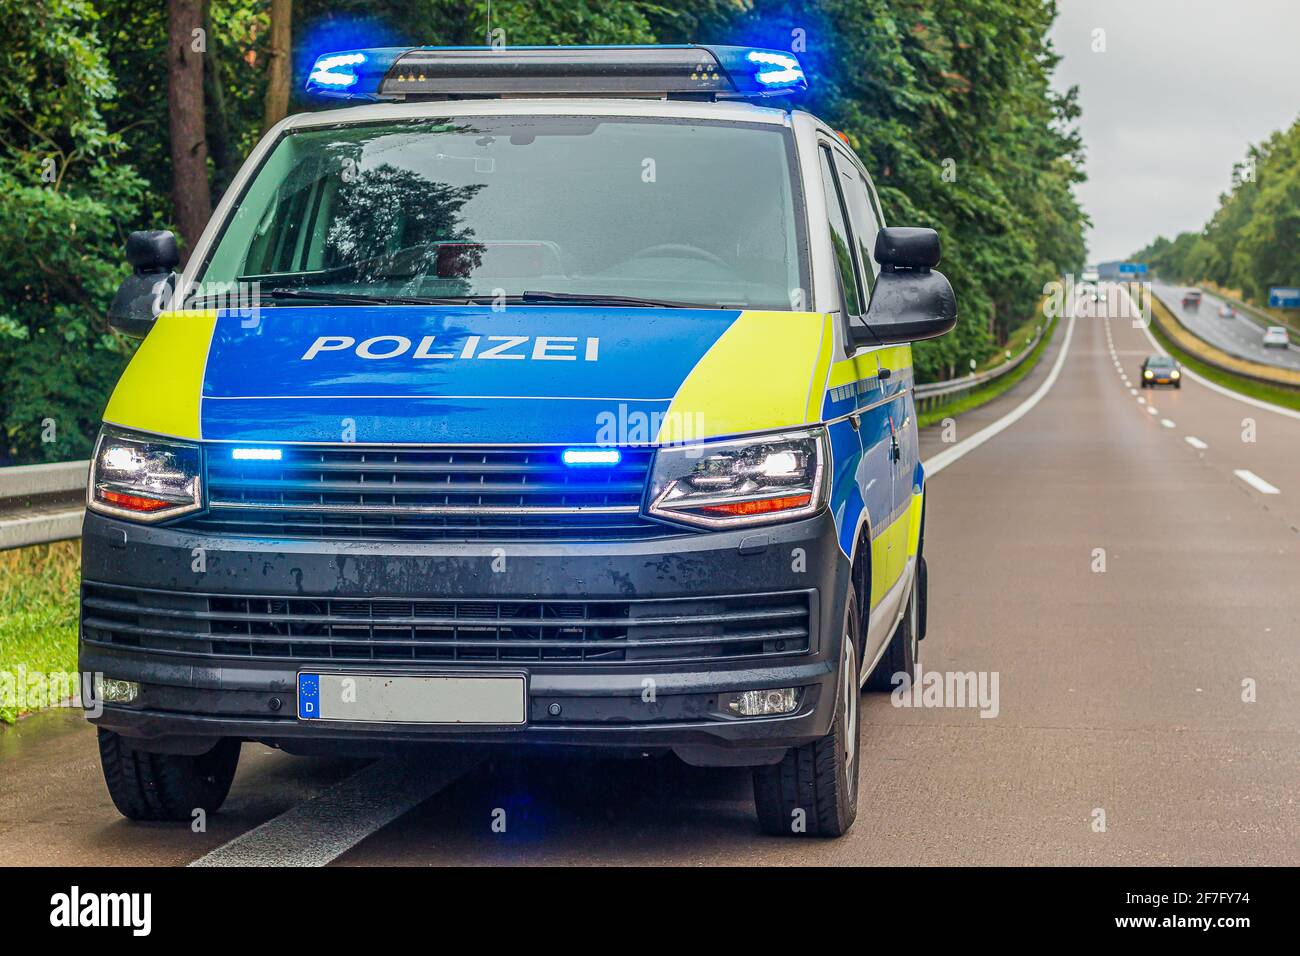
column 573, row 408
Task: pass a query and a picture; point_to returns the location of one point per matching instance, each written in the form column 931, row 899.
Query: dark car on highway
column 1192, row 298
column 1161, row 370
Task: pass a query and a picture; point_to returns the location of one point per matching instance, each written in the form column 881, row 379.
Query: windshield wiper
column 360, row 298
column 598, row 299
column 524, row 298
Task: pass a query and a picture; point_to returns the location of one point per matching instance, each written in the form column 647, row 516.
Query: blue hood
column 417, row 374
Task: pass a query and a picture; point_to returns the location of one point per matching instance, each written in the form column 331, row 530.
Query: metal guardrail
column 931, row 393
column 42, row 503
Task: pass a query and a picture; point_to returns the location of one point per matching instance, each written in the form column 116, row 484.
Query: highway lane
column 1120, row 691
column 1240, row 335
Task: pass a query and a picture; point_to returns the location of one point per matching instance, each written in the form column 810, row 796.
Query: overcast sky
column 1183, row 87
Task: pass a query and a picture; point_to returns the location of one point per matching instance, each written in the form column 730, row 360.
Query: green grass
column 38, row 619
column 1277, row 394
column 982, row 396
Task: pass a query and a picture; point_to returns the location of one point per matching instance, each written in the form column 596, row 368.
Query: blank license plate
column 389, row 699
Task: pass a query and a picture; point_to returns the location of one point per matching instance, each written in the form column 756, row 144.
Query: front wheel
column 150, row 786
column 813, row 791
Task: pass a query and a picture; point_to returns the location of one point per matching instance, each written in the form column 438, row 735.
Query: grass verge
column 986, row 394
column 1277, row 394
column 38, row 621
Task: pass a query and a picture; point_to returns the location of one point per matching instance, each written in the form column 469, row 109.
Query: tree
column 186, row 44
column 279, row 64
column 65, row 191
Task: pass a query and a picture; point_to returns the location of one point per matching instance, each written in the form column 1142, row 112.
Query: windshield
column 683, row 212
column 1160, row 361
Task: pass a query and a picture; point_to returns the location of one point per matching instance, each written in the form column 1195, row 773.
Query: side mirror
column 153, row 257
column 910, row 301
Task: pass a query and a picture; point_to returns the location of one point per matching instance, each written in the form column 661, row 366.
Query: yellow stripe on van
column 755, row 377
column 160, row 390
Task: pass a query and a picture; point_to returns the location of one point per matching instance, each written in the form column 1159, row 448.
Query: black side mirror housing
column 911, row 301
column 153, row 256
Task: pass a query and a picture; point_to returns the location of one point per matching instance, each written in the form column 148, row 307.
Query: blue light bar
column 707, row 72
column 255, row 454
column 592, row 456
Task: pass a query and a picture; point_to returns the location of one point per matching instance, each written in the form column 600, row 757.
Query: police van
column 572, row 407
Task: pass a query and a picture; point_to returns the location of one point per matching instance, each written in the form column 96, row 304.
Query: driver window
column 841, row 240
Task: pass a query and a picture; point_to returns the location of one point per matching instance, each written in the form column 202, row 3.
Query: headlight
column 747, row 481
column 1148, row 374
column 144, row 478
column 1174, row 374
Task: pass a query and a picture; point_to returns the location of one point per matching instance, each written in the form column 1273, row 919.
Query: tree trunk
column 278, row 64
column 190, row 193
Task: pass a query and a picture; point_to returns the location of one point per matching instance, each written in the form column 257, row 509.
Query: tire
column 903, row 654
column 813, row 791
column 150, row 786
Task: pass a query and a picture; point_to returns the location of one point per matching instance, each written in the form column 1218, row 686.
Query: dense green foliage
column 1253, row 239
column 947, row 102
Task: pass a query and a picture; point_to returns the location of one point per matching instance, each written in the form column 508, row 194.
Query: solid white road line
column 1256, row 482
column 939, row 462
column 1215, row 386
column 1196, row 443
column 323, row 828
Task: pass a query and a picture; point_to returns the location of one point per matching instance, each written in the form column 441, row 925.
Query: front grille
column 324, row 630
column 518, row 493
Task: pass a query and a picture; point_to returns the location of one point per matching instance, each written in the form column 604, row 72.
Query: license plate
column 392, row 699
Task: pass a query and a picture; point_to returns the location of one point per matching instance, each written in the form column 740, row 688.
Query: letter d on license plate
column 390, row 699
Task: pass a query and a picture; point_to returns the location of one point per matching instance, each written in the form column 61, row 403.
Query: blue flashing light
column 256, row 454
column 352, row 74
column 776, row 69
column 336, row 69
column 592, row 456
column 757, row 72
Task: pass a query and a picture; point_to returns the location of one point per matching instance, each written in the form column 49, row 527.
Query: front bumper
column 194, row 691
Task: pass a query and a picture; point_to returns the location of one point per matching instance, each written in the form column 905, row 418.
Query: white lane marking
column 1152, row 410
column 1167, row 423
column 1142, row 401
column 1195, row 442
column 1256, row 482
column 323, row 828
column 1132, row 391
column 939, row 462
column 1215, row 386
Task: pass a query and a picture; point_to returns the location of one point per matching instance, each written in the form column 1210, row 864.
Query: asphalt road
column 1240, row 335
column 1120, row 691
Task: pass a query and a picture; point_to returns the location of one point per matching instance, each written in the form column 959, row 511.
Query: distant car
column 1161, row 370
column 1276, row 336
column 1192, row 298
column 1226, row 311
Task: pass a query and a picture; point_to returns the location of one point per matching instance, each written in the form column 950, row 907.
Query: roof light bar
column 721, row 72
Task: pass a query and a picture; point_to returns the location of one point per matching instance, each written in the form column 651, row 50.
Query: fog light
column 119, row 691
column 764, row 703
